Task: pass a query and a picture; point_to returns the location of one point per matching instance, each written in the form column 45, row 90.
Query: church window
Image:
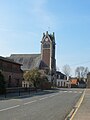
column 46, row 45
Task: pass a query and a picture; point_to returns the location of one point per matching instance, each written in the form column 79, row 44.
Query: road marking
column 80, row 92
column 70, row 91
column 75, row 91
column 30, row 102
column 52, row 95
column 65, row 91
column 78, row 105
column 17, row 99
column 71, row 115
column 9, row 108
column 43, row 98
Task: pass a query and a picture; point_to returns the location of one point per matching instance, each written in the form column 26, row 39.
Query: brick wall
column 46, row 56
column 12, row 73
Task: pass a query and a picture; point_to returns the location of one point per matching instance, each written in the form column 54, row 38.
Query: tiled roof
column 74, row 81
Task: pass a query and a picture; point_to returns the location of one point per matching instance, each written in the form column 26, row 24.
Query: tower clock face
column 46, row 44
column 46, row 39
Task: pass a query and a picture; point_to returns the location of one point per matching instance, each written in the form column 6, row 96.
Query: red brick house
column 74, row 82
column 12, row 72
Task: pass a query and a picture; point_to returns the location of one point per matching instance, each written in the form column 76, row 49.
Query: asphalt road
column 50, row 105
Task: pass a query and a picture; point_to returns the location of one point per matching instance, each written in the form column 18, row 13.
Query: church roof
column 28, row 61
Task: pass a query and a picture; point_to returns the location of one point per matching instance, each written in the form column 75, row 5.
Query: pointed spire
column 43, row 34
column 46, row 32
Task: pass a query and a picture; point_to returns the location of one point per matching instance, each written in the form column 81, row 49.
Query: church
column 44, row 61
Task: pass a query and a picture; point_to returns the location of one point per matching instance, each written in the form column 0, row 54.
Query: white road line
column 75, row 91
column 70, row 91
column 30, row 102
column 17, row 99
column 80, row 92
column 9, row 108
column 65, row 91
column 52, row 95
column 43, row 98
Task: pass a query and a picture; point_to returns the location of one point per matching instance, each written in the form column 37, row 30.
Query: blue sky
column 22, row 23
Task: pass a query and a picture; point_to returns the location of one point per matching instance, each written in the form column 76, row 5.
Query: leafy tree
column 2, row 83
column 81, row 72
column 37, row 78
column 33, row 76
column 66, row 69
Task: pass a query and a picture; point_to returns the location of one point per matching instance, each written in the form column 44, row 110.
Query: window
column 58, row 83
column 46, row 45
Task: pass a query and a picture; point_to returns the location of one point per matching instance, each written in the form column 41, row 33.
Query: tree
column 81, row 72
column 37, row 78
column 66, row 69
column 2, row 83
column 33, row 77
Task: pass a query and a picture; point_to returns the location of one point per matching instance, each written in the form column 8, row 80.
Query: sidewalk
column 19, row 95
column 27, row 94
column 83, row 113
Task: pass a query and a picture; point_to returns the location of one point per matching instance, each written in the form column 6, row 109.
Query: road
column 51, row 105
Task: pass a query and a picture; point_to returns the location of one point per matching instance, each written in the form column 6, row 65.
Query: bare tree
column 81, row 72
column 66, row 69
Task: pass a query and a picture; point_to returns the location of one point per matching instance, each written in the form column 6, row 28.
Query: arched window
column 46, row 45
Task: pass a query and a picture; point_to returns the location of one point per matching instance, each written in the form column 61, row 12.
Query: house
column 11, row 71
column 62, row 80
column 82, row 84
column 74, row 82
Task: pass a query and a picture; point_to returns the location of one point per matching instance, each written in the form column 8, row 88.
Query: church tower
column 48, row 51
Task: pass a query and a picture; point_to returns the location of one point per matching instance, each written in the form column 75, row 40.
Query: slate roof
column 61, row 74
column 28, row 61
column 9, row 60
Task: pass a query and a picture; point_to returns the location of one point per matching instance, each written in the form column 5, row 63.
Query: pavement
column 83, row 109
column 26, row 94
